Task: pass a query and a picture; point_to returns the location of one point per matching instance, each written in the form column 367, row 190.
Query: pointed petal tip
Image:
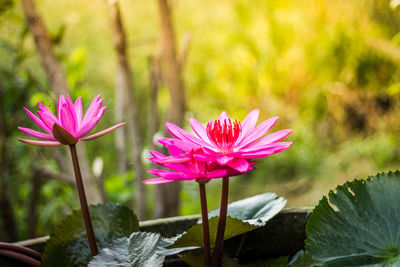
column 254, row 112
column 156, row 181
column 101, row 133
column 36, row 134
column 275, row 118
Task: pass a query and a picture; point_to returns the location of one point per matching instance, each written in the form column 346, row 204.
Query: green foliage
column 118, row 189
column 141, row 249
column 258, row 210
column 5, row 5
column 194, row 236
column 302, row 259
column 243, row 216
column 68, row 245
column 357, row 224
column 255, row 210
column 196, row 259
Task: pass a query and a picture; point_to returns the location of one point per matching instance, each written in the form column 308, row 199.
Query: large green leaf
column 196, row 259
column 141, row 249
column 255, row 210
column 68, row 245
column 359, row 224
column 302, row 259
column 194, row 236
column 243, row 216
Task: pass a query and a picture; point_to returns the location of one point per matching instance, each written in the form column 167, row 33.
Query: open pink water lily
column 230, row 143
column 69, row 117
column 185, row 166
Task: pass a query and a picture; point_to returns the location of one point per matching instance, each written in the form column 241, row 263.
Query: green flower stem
column 217, row 253
column 206, row 231
column 83, row 201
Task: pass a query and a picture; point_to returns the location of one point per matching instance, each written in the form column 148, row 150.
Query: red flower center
column 224, row 133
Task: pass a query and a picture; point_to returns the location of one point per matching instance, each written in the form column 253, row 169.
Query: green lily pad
column 196, row 259
column 68, row 245
column 359, row 224
column 194, row 236
column 141, row 249
column 243, row 216
column 302, row 259
column 256, row 210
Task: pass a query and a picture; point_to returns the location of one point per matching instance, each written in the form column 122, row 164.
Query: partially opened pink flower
column 230, row 143
column 70, row 118
column 185, row 166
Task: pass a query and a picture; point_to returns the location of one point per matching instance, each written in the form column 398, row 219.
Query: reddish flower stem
column 217, row 253
column 20, row 249
column 20, row 257
column 84, row 205
column 24, row 255
column 206, row 231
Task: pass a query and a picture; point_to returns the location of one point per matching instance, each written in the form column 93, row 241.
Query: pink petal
column 251, row 148
column 36, row 134
column 172, row 175
column 200, row 130
column 218, row 173
column 223, row 116
column 224, row 160
column 271, row 138
column 158, row 180
column 93, row 109
column 69, row 101
column 171, row 159
column 267, row 151
column 163, row 173
column 68, row 119
column 233, row 172
column 39, row 143
column 37, row 120
column 240, row 165
column 78, row 110
column 156, row 154
column 183, row 145
column 86, row 127
column 101, row 133
column 205, row 156
column 46, row 110
column 178, row 168
column 174, row 150
column 184, row 135
column 248, row 124
column 259, row 131
column 61, row 101
column 173, row 166
column 47, row 119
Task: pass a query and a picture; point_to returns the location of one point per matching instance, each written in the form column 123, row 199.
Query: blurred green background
column 328, row 69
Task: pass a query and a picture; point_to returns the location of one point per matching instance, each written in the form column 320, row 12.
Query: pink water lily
column 230, row 143
column 185, row 166
column 70, row 118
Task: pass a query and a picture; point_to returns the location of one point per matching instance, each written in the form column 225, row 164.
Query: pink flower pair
column 224, row 148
